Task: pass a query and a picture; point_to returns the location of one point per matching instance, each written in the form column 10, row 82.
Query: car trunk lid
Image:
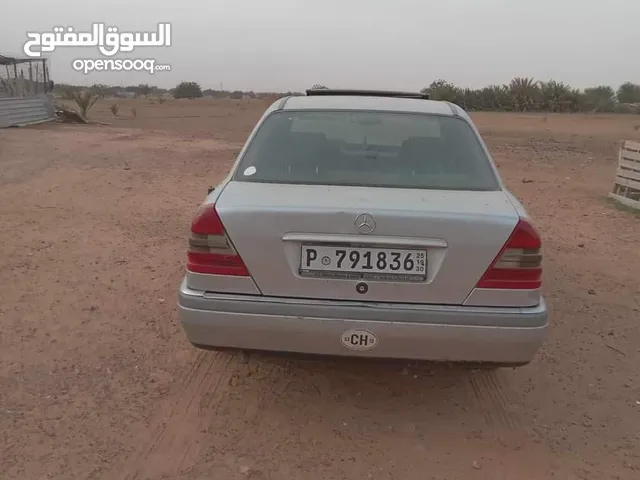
column 274, row 227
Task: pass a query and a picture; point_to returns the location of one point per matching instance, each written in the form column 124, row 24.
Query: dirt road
column 98, row 382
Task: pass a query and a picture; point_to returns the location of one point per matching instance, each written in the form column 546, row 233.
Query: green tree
column 576, row 101
column 525, row 94
column 494, row 97
column 187, row 90
column 144, row 89
column 443, row 90
column 469, row 99
column 628, row 93
column 599, row 99
column 554, row 96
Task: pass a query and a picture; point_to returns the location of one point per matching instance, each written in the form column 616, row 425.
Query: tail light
column 210, row 250
column 518, row 266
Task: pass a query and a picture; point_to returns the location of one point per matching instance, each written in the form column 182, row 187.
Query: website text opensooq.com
column 86, row 65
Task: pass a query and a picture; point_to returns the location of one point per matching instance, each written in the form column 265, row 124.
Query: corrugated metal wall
column 25, row 110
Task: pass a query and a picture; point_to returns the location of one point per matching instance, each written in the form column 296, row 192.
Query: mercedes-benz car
column 369, row 224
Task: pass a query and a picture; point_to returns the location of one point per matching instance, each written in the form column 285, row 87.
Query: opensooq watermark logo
column 109, row 41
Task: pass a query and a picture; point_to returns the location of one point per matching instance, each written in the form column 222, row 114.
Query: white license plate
column 363, row 261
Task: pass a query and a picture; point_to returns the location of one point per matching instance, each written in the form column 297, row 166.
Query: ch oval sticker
column 360, row 340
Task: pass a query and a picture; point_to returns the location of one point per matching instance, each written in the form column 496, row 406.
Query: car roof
column 362, row 102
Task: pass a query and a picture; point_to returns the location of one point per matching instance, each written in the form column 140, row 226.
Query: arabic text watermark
column 108, row 39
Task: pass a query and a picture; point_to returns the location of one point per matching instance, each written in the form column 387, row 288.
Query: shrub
column 187, row 90
column 85, row 100
column 114, row 109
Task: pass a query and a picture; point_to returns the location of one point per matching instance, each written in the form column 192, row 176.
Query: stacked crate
column 626, row 189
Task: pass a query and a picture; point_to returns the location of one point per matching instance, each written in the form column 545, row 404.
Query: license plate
column 363, row 262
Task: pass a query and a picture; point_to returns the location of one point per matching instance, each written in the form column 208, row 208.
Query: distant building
column 123, row 94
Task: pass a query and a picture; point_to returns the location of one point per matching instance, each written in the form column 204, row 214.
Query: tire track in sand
column 180, row 426
column 495, row 401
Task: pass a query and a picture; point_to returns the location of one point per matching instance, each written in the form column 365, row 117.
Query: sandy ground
column 98, row 382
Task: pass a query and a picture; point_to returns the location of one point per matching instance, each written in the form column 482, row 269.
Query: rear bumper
column 403, row 331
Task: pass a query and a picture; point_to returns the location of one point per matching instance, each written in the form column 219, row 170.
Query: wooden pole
column 18, row 92
column 30, row 90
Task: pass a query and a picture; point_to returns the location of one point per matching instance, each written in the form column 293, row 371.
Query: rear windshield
column 367, row 149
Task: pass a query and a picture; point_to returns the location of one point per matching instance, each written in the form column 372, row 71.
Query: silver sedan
column 370, row 224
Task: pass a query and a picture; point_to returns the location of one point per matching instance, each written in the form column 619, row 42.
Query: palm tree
column 525, row 93
column 554, row 96
column 495, row 97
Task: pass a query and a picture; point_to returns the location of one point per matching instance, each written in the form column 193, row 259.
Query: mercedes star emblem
column 365, row 223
